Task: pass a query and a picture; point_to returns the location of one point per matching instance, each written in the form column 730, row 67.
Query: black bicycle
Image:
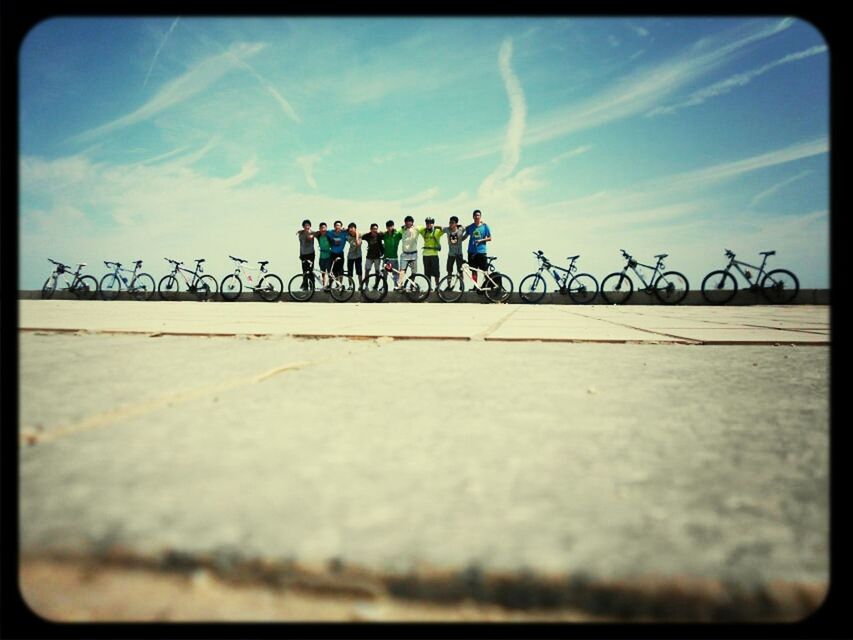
column 581, row 288
column 267, row 285
column 202, row 286
column 139, row 285
column 779, row 286
column 415, row 286
column 302, row 286
column 670, row 287
column 85, row 287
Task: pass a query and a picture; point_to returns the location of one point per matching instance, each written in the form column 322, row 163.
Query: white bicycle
column 496, row 286
column 267, row 285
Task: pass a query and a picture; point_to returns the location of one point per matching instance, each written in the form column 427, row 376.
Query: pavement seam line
column 628, row 326
column 132, row 411
column 494, row 327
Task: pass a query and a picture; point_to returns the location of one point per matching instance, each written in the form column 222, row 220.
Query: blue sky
column 191, row 137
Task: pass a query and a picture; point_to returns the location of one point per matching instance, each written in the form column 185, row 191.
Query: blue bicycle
column 581, row 288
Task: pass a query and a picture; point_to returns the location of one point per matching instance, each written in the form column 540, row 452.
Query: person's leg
column 395, row 265
column 472, row 260
column 307, row 267
column 357, row 264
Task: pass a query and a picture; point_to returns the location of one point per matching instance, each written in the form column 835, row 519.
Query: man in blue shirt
column 337, row 240
column 478, row 235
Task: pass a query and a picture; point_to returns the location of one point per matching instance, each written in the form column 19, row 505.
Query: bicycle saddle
column 662, row 256
column 768, row 253
column 263, row 262
column 82, row 264
column 237, row 259
column 200, row 260
column 490, row 258
column 573, row 257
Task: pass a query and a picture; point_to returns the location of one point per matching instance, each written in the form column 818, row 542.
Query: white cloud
column 739, row 80
column 157, row 53
column 185, row 86
column 516, row 126
column 307, row 163
column 776, row 187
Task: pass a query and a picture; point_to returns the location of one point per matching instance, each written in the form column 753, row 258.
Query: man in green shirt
column 325, row 252
column 391, row 246
column 432, row 246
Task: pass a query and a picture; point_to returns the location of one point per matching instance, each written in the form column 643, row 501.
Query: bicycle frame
column 561, row 281
column 66, row 271
column 633, row 264
column 243, row 270
column 468, row 276
column 183, row 270
column 118, row 269
column 737, row 264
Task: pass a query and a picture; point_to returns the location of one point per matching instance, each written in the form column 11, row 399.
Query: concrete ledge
column 694, row 298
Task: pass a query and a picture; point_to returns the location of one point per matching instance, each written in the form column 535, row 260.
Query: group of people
column 397, row 247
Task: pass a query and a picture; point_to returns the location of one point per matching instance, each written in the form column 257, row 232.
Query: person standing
column 373, row 259
column 409, row 246
column 337, row 242
column 455, row 235
column 325, row 253
column 391, row 248
column 354, row 252
column 306, row 251
column 479, row 234
column 432, row 245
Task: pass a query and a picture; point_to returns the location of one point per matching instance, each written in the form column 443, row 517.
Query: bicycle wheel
column 142, row 287
column 86, row 288
column 780, row 286
column 301, row 287
column 270, row 288
column 718, row 287
column 49, row 288
column 375, row 288
column 583, row 288
column 110, row 286
column 451, row 287
column 205, row 288
column 671, row 287
column 342, row 289
column 416, row 287
column 617, row 288
column 168, row 287
column 500, row 289
column 532, row 288
column 231, row 287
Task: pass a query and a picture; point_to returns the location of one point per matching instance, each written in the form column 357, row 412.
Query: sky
column 199, row 137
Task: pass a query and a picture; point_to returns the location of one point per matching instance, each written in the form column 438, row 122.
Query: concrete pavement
column 647, row 461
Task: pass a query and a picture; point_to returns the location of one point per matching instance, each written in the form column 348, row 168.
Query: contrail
column 157, row 53
column 518, row 116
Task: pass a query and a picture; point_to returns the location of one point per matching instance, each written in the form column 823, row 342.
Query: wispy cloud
column 517, row 118
column 307, row 163
column 185, row 86
column 268, row 87
column 776, row 187
column 739, row 80
column 640, row 91
column 157, row 53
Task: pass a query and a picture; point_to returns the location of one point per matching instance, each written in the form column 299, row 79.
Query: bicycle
column 140, row 285
column 779, row 286
column 670, row 287
column 85, row 287
column 496, row 286
column 416, row 287
column 581, row 288
column 302, row 286
column 202, row 286
column 269, row 286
